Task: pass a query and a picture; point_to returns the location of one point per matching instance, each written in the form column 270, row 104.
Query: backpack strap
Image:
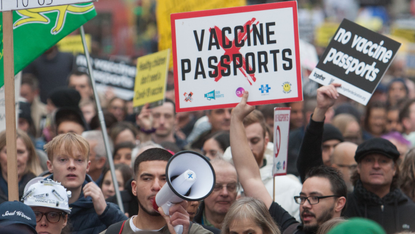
column 116, row 227
column 291, row 229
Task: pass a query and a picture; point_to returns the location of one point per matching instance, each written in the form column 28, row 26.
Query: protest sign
column 220, row 53
column 166, row 8
column 73, row 44
column 356, row 58
column 17, row 80
column 114, row 74
column 324, row 33
column 150, row 82
column 281, row 135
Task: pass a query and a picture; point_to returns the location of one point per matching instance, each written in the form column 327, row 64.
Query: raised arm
column 310, row 152
column 244, row 160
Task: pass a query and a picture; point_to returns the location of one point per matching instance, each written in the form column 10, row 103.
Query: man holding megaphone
column 150, row 176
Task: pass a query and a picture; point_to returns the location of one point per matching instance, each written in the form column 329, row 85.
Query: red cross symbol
column 234, row 50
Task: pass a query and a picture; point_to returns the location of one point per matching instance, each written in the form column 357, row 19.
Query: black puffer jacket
column 22, row 183
column 395, row 212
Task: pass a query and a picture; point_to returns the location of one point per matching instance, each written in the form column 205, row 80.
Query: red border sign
column 232, row 100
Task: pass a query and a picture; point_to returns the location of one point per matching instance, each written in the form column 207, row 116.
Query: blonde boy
column 68, row 161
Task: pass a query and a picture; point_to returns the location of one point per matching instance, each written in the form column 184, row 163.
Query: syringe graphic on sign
column 233, row 51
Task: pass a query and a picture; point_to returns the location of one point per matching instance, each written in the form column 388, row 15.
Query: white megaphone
column 190, row 177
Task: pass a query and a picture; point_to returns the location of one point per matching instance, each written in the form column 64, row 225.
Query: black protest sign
column 118, row 75
column 357, row 58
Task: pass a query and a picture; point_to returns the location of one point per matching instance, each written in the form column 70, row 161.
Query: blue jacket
column 83, row 218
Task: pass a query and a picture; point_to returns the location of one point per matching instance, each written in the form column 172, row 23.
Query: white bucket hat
column 46, row 193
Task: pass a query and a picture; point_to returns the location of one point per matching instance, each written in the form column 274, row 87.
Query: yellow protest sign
column 73, row 44
column 150, row 82
column 167, row 7
column 407, row 33
column 324, row 33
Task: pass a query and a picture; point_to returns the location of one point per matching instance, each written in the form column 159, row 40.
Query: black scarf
column 372, row 198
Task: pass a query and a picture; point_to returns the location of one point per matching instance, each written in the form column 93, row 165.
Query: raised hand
column 326, row 97
column 242, row 109
column 92, row 190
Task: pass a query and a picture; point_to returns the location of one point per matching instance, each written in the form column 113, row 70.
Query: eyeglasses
column 229, row 187
column 51, row 217
column 311, row 199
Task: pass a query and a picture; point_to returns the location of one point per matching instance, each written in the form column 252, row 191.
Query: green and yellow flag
column 36, row 30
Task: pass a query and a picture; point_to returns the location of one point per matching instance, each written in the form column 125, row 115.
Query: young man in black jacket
column 322, row 197
column 375, row 195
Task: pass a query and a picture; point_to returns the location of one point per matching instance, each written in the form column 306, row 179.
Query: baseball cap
column 14, row 212
column 46, row 193
column 377, row 146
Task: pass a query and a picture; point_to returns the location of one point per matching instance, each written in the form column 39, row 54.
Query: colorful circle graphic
column 240, row 92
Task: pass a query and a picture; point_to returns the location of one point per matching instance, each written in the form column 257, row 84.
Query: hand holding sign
column 326, row 96
column 242, row 109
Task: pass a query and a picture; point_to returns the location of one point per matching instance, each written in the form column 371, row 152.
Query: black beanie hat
column 65, row 97
column 332, row 133
column 73, row 114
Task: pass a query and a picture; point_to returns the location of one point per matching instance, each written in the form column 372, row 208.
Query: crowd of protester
column 350, row 168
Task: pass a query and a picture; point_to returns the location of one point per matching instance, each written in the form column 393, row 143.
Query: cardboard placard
column 150, row 82
column 219, row 53
column 281, row 136
column 118, row 75
column 73, row 44
column 357, row 58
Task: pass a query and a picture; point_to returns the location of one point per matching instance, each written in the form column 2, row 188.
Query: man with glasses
column 375, row 195
column 323, row 194
column 213, row 209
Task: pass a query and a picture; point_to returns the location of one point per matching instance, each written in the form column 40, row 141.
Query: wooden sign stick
column 12, row 180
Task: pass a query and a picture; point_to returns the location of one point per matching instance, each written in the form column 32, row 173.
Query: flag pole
column 102, row 122
column 12, row 180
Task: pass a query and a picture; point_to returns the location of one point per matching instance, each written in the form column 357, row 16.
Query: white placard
column 281, row 135
column 17, row 81
column 220, row 53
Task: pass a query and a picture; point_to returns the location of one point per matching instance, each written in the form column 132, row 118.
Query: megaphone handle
column 166, row 207
column 178, row 229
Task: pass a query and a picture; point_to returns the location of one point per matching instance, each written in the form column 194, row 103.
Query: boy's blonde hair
column 70, row 142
